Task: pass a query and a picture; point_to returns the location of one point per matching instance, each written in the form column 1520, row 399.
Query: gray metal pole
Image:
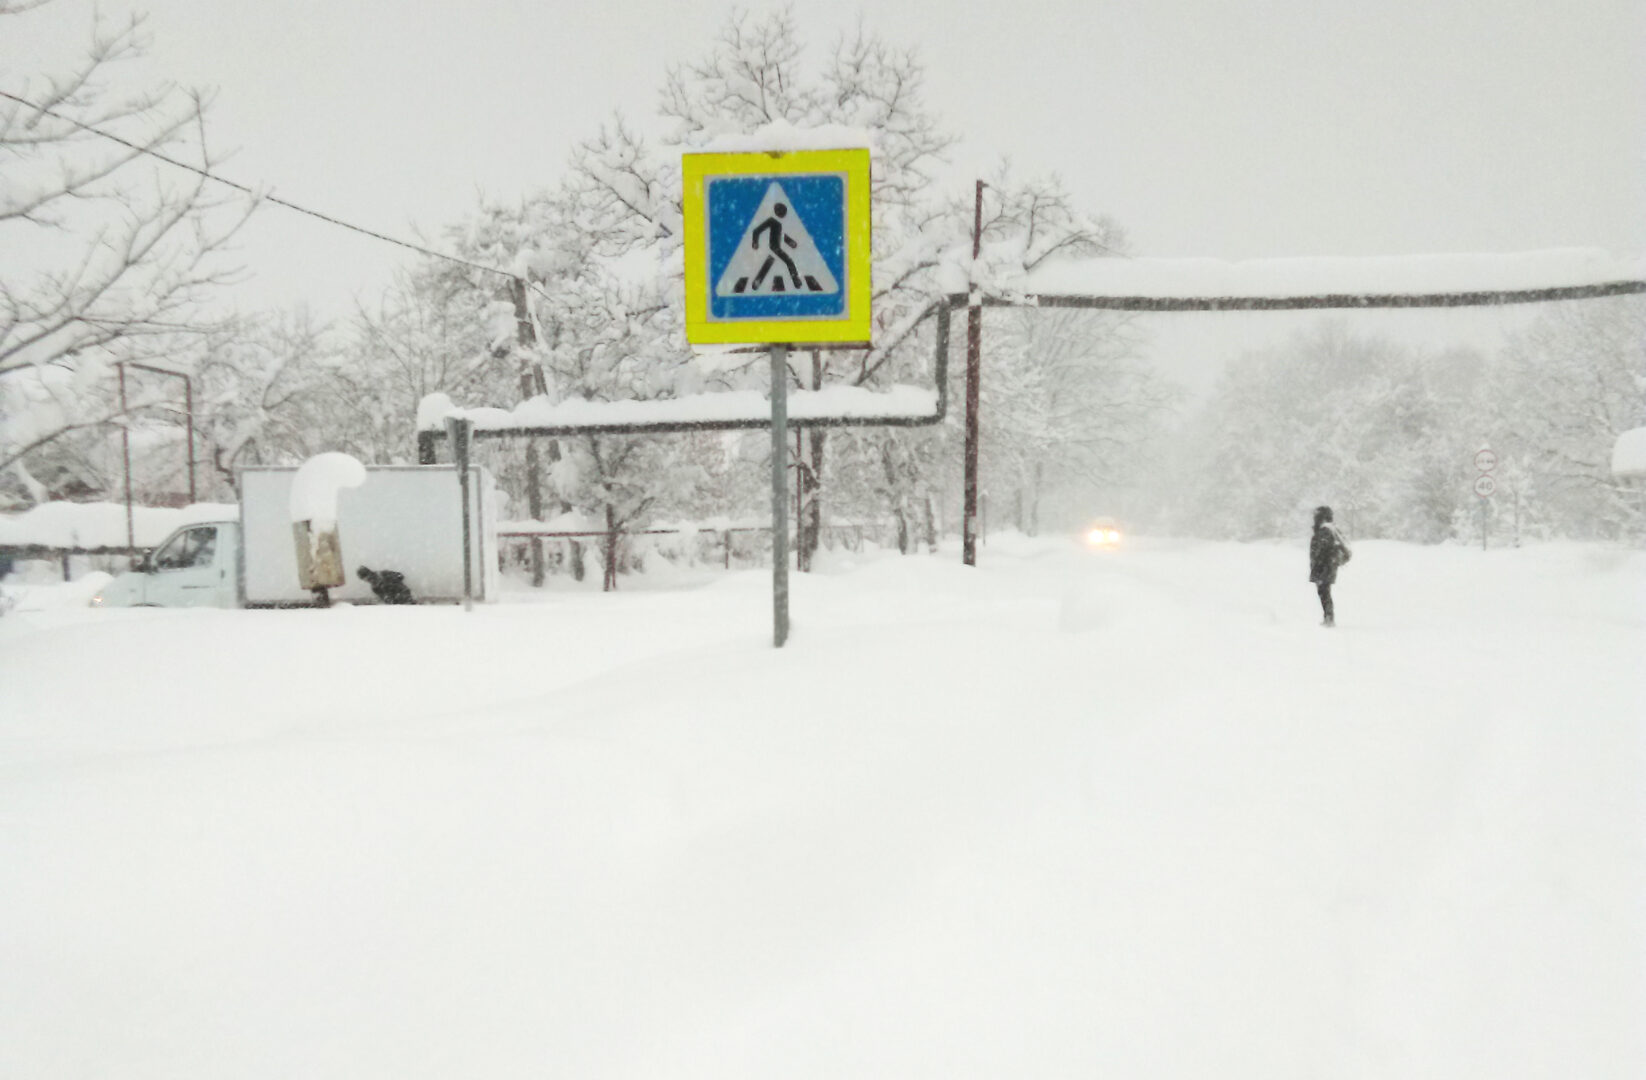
column 458, row 430
column 780, row 495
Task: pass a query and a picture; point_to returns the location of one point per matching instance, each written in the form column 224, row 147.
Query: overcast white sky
column 1206, row 127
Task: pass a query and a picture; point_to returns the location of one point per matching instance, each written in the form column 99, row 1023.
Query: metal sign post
column 780, row 496
column 1485, row 461
column 777, row 250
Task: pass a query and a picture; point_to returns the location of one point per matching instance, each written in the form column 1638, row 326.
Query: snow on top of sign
column 103, row 524
column 315, row 486
column 1314, row 276
column 849, row 401
column 781, row 137
column 1629, row 454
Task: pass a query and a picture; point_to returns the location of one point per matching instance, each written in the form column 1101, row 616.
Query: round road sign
column 1484, row 486
column 1486, row 460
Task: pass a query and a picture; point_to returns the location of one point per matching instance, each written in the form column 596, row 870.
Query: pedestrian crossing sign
column 777, row 247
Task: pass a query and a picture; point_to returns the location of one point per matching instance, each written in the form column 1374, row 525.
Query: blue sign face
column 776, row 247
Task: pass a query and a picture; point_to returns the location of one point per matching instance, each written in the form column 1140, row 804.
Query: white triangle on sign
column 776, row 256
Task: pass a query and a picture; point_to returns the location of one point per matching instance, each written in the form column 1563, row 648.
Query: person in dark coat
column 1327, row 552
column 388, row 585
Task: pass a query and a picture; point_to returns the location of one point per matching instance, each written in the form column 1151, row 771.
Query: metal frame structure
column 125, row 432
column 460, row 432
column 941, row 308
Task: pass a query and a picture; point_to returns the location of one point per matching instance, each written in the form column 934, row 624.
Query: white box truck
column 403, row 518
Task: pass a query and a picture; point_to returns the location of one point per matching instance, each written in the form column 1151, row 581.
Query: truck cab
column 196, row 566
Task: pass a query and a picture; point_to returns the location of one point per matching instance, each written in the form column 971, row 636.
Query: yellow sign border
column 696, row 169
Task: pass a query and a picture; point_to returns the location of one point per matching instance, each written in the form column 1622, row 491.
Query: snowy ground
column 1131, row 814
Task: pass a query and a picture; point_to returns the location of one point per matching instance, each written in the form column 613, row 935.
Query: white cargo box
column 403, row 518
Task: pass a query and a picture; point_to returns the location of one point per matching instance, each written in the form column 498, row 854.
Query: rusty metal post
column 188, row 410
column 974, row 364
column 188, row 407
column 125, row 458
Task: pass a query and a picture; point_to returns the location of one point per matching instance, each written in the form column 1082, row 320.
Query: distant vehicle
column 403, row 520
column 1103, row 533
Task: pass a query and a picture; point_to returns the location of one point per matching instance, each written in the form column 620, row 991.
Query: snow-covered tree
column 1383, row 434
column 1563, row 391
column 109, row 251
column 1067, row 406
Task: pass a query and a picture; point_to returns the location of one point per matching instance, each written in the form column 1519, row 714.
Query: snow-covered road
column 1068, row 814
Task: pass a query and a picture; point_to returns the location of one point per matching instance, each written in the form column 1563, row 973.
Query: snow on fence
column 721, row 533
column 58, row 530
column 100, row 527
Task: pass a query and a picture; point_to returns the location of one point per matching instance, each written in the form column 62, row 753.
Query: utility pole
column 531, row 384
column 974, row 364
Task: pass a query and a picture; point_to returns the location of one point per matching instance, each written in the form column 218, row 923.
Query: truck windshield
column 193, row 547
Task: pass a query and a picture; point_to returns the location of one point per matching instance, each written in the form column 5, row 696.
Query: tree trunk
column 931, row 526
column 811, row 486
column 579, row 572
column 1034, row 502
column 902, row 520
column 612, row 534
column 534, row 506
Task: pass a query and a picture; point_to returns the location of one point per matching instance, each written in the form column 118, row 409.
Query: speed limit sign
column 1484, row 486
column 1486, row 460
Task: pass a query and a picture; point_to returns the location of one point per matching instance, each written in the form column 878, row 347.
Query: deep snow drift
column 1068, row 814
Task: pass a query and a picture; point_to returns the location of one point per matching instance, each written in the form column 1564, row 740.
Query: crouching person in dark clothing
column 388, row 585
column 1327, row 552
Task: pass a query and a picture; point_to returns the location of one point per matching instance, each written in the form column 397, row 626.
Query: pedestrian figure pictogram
column 774, row 224
column 776, row 255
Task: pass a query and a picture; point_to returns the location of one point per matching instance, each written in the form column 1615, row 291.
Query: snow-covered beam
column 730, row 410
column 1412, row 281
column 738, row 410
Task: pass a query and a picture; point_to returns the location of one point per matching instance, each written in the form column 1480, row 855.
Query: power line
column 151, row 152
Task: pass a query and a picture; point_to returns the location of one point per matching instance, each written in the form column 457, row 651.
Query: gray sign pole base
column 780, row 494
